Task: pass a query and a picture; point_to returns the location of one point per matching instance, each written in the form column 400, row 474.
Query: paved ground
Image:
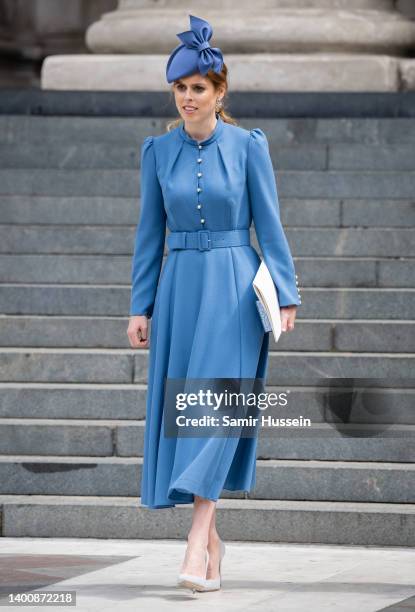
column 140, row 575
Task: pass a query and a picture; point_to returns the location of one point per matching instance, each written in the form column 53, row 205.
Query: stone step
column 392, row 444
column 335, row 481
column 240, row 519
column 32, row 129
column 125, row 438
column 329, row 271
column 102, row 240
column 128, row 366
column 124, row 401
column 357, row 157
column 110, row 332
column 303, row 156
column 99, row 300
column 308, row 212
column 291, row 183
column 275, row 73
column 276, row 105
column 127, row 401
column 268, row 31
column 266, row 5
column 275, row 479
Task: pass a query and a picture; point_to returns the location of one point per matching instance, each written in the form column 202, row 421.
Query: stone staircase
column 72, row 392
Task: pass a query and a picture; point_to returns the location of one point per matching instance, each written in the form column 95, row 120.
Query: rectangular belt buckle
column 207, row 242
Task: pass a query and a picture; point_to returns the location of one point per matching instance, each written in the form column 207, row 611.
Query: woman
column 206, row 179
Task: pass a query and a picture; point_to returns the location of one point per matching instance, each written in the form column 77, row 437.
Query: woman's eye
column 197, row 88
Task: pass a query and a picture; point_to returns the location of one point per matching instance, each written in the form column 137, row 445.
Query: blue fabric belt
column 204, row 240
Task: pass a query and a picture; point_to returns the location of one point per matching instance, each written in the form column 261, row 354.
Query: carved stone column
column 268, row 45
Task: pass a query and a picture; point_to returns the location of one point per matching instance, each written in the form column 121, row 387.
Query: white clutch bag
column 267, row 302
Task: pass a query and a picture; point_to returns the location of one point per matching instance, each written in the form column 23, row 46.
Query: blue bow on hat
column 195, row 53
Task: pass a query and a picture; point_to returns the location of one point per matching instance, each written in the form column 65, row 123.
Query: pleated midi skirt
column 205, row 324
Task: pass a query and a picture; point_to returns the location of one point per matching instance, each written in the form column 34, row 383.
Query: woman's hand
column 288, row 314
column 137, row 331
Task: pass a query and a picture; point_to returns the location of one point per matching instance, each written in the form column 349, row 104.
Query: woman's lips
column 189, row 110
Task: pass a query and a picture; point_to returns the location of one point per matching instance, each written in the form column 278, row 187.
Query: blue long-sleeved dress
column 204, row 320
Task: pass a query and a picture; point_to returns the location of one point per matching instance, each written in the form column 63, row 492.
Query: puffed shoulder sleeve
column 265, row 208
column 149, row 236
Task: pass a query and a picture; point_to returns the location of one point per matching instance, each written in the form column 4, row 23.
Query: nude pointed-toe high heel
column 214, row 584
column 190, row 581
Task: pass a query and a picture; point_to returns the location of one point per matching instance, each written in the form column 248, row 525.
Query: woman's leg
column 198, row 537
column 213, row 549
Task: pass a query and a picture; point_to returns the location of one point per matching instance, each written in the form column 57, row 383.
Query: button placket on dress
column 199, row 175
column 199, row 188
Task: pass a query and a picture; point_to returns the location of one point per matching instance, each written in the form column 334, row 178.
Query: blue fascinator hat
column 195, row 53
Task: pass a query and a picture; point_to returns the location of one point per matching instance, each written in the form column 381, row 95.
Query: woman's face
column 197, row 92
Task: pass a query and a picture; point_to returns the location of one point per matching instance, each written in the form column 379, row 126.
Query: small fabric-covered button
column 202, row 220
column 199, row 159
column 199, row 206
column 200, row 146
column 199, row 189
column 199, row 174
